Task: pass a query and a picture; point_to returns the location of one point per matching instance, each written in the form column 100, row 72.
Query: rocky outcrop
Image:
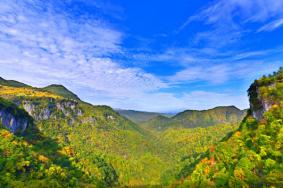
column 109, row 116
column 69, row 107
column 258, row 105
column 44, row 110
column 12, row 123
column 13, row 118
column 258, row 112
column 36, row 111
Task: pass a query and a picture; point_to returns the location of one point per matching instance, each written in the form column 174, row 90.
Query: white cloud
column 272, row 26
column 220, row 73
column 212, row 73
column 212, row 99
column 227, row 19
column 52, row 47
column 225, row 11
column 173, row 55
column 42, row 44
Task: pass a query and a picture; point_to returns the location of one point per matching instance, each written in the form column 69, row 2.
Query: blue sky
column 146, row 55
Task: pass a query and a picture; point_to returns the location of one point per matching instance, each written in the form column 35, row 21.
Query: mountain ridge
column 12, row 83
column 57, row 89
column 70, row 143
column 61, row 90
column 198, row 118
column 96, row 138
column 140, row 116
column 250, row 156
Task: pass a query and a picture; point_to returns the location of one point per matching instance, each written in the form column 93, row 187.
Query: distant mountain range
column 141, row 116
column 185, row 119
column 49, row 137
column 155, row 120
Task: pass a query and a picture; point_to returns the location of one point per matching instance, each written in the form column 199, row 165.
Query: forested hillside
column 100, row 141
column 194, row 118
column 253, row 155
column 53, row 139
column 62, row 91
column 14, row 83
column 140, row 116
column 103, row 147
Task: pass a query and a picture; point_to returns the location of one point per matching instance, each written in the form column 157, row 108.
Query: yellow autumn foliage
column 42, row 158
column 6, row 134
column 6, row 91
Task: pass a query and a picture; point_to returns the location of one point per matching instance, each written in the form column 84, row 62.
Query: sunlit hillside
column 141, row 94
column 90, row 136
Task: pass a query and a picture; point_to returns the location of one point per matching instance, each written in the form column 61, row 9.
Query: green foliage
column 195, row 118
column 250, row 157
column 253, row 155
column 157, row 123
column 141, row 117
column 11, row 108
column 268, row 89
column 12, row 83
column 75, row 144
column 61, row 91
column 107, row 148
column 23, row 164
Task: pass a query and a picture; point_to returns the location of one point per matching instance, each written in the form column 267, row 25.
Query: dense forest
column 50, row 138
column 252, row 155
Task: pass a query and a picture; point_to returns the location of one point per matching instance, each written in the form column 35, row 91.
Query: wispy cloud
column 49, row 45
column 214, row 66
column 221, row 73
column 272, row 26
column 228, row 17
column 213, row 73
column 45, row 42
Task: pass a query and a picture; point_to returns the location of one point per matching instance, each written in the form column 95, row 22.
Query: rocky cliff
column 13, row 118
column 48, row 108
column 263, row 94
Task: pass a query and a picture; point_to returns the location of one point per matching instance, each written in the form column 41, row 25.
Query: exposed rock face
column 109, row 116
column 13, row 123
column 36, row 112
column 258, row 105
column 43, row 111
column 259, row 111
column 69, row 107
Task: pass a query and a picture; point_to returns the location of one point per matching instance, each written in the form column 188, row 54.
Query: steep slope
column 253, row 155
column 31, row 159
column 188, row 146
column 14, row 119
column 140, row 116
column 54, row 88
column 96, row 146
column 194, row 118
column 61, row 91
column 12, row 83
column 105, row 146
column 156, row 123
column 205, row 118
